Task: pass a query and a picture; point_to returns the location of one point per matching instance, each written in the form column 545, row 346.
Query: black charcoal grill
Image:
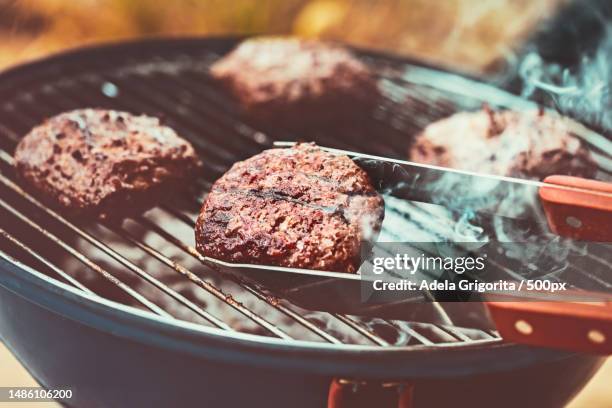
column 127, row 315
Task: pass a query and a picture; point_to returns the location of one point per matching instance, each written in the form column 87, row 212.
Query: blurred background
column 474, row 36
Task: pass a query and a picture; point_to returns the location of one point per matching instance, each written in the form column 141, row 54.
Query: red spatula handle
column 571, row 326
column 583, row 211
column 584, row 215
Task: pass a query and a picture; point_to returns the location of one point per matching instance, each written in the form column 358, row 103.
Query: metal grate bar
column 364, row 331
column 44, row 261
column 116, row 256
column 456, row 333
column 357, row 134
column 181, row 216
column 210, row 288
column 200, row 85
column 217, row 122
column 9, row 133
column 291, row 314
column 84, row 260
column 412, row 332
column 224, row 113
column 142, row 96
column 272, row 302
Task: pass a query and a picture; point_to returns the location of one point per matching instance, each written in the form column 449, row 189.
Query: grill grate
column 171, row 81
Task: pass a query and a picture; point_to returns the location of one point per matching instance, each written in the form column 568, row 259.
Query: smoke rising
column 582, row 92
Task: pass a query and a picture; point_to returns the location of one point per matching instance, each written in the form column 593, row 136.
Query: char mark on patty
column 297, row 207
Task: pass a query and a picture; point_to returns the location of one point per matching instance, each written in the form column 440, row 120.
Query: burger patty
column 532, row 144
column 296, row 82
column 104, row 162
column 296, row 207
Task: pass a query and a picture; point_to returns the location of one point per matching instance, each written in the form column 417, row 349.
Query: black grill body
column 115, row 355
column 116, row 358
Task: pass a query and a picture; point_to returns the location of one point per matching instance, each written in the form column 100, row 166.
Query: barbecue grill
column 127, row 315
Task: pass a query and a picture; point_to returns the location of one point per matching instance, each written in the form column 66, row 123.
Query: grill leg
column 360, row 394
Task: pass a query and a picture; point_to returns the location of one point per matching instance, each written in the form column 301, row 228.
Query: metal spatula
column 576, row 209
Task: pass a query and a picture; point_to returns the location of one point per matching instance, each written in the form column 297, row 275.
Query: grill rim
column 106, row 307
column 155, row 43
column 209, row 343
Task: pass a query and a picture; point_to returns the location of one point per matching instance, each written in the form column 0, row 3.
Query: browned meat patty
column 104, row 162
column 296, row 82
column 529, row 144
column 296, row 207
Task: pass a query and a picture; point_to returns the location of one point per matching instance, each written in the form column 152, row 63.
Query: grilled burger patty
column 103, row 161
column 296, row 82
column 531, row 144
column 296, row 207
